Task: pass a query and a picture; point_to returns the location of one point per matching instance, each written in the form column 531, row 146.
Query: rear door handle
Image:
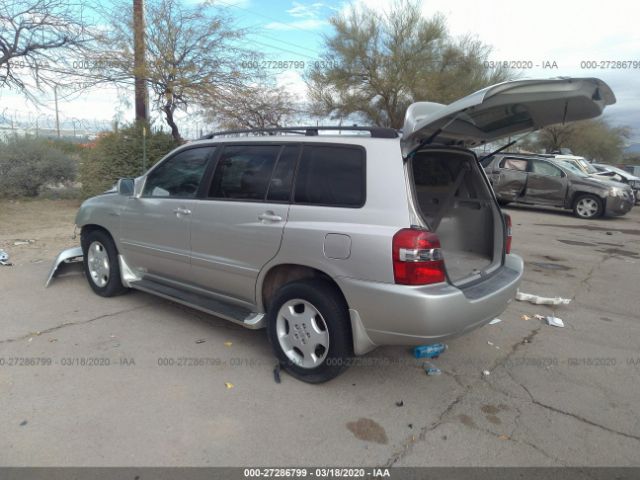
column 269, row 216
column 182, row 211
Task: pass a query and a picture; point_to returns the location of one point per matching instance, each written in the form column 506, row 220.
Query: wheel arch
column 92, row 227
column 577, row 194
column 278, row 275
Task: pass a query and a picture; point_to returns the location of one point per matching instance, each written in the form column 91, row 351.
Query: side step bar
column 228, row 311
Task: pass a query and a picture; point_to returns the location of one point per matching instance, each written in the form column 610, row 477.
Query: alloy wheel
column 98, row 263
column 587, row 207
column 302, row 333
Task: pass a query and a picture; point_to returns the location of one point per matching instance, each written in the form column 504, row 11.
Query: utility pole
column 55, row 95
column 139, row 62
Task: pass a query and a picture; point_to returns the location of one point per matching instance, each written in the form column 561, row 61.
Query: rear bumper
column 618, row 205
column 390, row 314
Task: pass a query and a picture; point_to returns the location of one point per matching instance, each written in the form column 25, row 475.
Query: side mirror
column 125, row 187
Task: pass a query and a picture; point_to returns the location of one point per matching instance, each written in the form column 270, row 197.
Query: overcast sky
column 542, row 32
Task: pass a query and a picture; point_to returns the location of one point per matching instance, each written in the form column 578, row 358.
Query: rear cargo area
column 454, row 201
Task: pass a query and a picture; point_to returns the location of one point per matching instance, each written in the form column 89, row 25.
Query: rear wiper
column 433, row 136
column 504, row 147
column 498, row 150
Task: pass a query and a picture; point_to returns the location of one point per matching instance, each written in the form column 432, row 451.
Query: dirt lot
column 170, row 386
column 46, row 226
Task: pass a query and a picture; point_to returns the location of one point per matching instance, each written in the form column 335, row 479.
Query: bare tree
column 35, row 35
column 554, row 137
column 192, row 54
column 594, row 139
column 254, row 107
column 377, row 64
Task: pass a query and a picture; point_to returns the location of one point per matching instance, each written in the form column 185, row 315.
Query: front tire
column 309, row 329
column 588, row 206
column 101, row 266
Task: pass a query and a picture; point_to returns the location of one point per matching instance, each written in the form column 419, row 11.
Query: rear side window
column 280, row 183
column 331, row 175
column 243, row 172
column 514, row 164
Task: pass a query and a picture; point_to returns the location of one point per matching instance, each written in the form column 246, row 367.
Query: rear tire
column 588, row 206
column 101, row 266
column 310, row 331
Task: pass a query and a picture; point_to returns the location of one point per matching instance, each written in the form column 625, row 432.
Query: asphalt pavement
column 139, row 381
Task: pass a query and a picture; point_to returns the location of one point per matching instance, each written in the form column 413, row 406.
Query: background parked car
column 581, row 163
column 620, row 175
column 539, row 180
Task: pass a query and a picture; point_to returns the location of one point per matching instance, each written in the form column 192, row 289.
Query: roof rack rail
column 375, row 132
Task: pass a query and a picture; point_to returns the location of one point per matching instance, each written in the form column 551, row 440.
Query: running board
column 228, row 311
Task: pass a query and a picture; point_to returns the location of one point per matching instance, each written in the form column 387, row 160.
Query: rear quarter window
column 331, row 176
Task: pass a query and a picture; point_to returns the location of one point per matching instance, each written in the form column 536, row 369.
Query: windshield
column 587, row 166
column 619, row 171
column 571, row 167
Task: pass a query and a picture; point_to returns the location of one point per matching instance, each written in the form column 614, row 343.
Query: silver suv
column 336, row 243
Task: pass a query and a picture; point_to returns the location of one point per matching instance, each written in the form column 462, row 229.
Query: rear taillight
column 507, row 222
column 417, row 258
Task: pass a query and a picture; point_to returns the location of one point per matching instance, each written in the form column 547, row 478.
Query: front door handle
column 182, row 211
column 269, row 216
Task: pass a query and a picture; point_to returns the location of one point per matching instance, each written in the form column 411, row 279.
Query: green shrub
column 29, row 163
column 118, row 154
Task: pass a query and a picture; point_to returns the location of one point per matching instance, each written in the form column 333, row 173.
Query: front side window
column 244, row 171
column 178, row 176
column 545, row 168
column 331, row 175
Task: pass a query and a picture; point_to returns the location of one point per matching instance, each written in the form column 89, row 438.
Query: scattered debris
column 30, row 339
column 537, row 316
column 53, row 340
column 23, row 423
column 410, row 425
column 228, row 344
column 4, row 259
column 229, row 385
column 486, row 373
column 200, row 340
column 431, row 369
column 504, row 437
column 537, row 300
column 429, row 351
column 609, row 233
column 525, row 317
column 276, row 373
column 490, row 343
column 494, row 321
column 17, row 243
column 555, row 321
column 400, row 404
